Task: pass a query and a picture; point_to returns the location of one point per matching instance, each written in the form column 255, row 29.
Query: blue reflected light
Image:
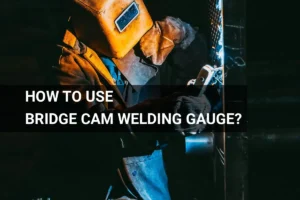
column 198, row 140
column 219, row 5
column 198, row 144
column 220, row 53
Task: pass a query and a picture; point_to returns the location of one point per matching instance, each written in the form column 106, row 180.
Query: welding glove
column 176, row 103
column 161, row 39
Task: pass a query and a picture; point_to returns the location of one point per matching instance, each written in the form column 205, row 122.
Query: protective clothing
column 135, row 169
column 160, row 40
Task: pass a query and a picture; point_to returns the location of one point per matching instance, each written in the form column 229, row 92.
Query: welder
column 115, row 45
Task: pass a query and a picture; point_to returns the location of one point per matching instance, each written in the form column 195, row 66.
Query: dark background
column 273, row 99
column 273, row 87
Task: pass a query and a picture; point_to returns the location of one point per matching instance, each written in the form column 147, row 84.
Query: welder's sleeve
column 161, row 39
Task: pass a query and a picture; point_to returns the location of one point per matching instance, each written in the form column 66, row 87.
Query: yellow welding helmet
column 110, row 27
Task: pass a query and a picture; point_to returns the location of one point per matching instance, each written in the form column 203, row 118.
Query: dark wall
column 273, row 95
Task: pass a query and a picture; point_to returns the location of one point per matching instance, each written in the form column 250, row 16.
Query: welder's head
column 110, row 27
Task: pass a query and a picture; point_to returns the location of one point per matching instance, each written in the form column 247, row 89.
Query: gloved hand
column 191, row 105
column 176, row 103
column 161, row 39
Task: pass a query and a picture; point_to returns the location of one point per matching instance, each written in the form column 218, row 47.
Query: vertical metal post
column 216, row 21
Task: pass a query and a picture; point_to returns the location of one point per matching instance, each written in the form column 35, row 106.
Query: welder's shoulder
column 72, row 68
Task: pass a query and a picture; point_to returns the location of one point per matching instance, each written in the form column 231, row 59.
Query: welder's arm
column 72, row 70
